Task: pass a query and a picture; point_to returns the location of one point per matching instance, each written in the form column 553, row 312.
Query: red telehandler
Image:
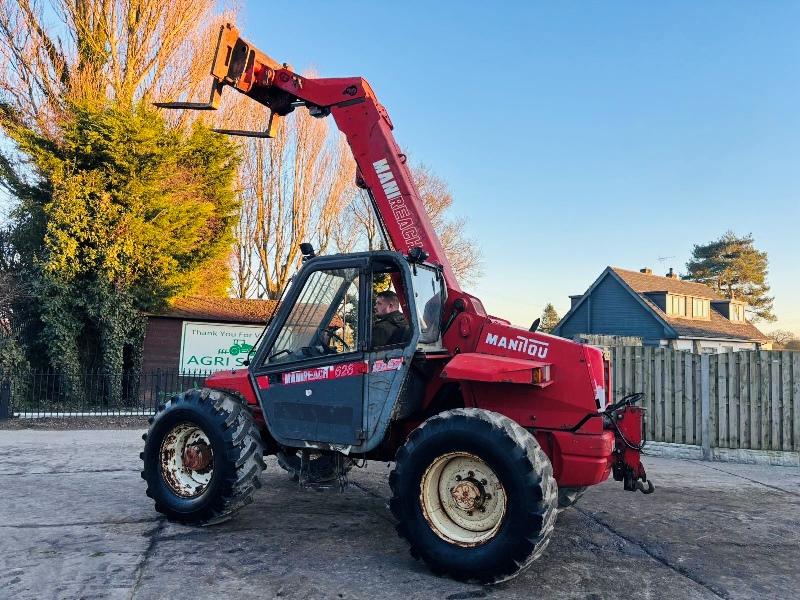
column 492, row 428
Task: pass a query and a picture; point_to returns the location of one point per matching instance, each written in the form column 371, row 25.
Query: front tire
column 474, row 495
column 202, row 457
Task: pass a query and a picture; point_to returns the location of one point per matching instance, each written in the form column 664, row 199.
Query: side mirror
column 307, row 251
column 417, row 255
column 535, row 326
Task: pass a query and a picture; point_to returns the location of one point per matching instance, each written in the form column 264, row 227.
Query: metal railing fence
column 57, row 394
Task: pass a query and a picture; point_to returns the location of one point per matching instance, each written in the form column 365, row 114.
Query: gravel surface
column 75, row 523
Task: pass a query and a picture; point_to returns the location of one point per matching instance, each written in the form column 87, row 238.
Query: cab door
column 311, row 376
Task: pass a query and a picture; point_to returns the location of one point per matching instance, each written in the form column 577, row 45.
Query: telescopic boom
column 382, row 167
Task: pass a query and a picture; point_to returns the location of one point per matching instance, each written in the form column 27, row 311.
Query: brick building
column 178, row 338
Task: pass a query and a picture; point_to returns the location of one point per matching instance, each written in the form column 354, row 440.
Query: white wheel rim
column 183, row 480
column 462, row 499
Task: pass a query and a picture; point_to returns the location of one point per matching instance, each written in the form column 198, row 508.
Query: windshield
column 324, row 318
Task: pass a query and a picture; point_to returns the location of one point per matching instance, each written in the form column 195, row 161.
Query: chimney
column 573, row 300
column 646, row 271
column 672, row 274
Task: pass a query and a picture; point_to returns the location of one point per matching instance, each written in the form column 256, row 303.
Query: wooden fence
column 733, row 400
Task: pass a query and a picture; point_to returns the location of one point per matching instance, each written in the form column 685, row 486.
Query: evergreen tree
column 115, row 211
column 735, row 269
column 120, row 214
column 550, row 318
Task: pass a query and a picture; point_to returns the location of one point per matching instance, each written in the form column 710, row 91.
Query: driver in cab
column 389, row 325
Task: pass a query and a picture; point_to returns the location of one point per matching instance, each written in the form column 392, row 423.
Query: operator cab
column 337, row 358
column 424, row 296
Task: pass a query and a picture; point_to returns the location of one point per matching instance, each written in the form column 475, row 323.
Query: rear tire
column 202, row 457
column 487, row 523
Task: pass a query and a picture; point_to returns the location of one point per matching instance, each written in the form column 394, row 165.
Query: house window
column 677, row 306
column 700, row 308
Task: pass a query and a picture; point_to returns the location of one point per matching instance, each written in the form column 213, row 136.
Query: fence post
column 5, row 399
column 705, row 406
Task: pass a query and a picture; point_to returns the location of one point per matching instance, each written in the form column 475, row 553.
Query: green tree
column 115, row 212
column 550, row 318
column 735, row 269
column 119, row 215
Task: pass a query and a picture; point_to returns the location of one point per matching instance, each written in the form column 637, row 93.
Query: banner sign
column 216, row 346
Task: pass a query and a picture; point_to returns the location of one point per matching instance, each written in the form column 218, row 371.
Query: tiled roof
column 644, row 283
column 717, row 327
column 229, row 310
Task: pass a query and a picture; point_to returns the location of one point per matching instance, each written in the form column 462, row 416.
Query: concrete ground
column 75, row 523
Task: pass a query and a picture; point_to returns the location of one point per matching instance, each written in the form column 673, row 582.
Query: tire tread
column 236, row 426
column 523, row 450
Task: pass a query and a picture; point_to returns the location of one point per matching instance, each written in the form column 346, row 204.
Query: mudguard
column 475, row 366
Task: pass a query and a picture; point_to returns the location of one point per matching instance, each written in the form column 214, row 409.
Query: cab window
column 324, row 319
column 429, row 298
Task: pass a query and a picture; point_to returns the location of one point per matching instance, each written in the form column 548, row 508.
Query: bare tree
column 462, row 252
column 299, row 187
column 781, row 337
column 294, row 188
column 99, row 51
column 244, row 259
column 362, row 215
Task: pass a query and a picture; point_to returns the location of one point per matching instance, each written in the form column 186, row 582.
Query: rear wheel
column 474, row 495
column 202, row 457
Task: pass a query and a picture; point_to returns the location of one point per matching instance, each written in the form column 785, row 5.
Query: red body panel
column 236, row 381
column 576, row 372
column 578, row 459
column 498, row 369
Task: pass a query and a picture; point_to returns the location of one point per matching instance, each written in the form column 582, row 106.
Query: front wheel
column 202, row 457
column 474, row 495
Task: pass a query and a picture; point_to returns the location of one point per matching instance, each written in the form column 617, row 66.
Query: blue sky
column 578, row 135
column 575, row 135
